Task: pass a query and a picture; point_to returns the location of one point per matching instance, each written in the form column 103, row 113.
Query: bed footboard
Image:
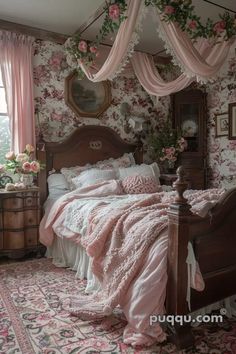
column 214, row 242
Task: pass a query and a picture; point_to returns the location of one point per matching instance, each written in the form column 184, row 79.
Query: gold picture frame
column 222, row 124
column 232, row 121
column 87, row 98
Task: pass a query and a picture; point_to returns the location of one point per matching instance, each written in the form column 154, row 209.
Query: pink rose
column 192, row 25
column 29, row 148
column 22, row 157
column 93, row 49
column 168, row 10
column 34, row 166
column 83, row 46
column 114, row 11
column 10, row 155
column 26, row 166
column 219, row 27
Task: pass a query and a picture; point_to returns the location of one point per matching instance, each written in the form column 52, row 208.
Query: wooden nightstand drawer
column 1, row 240
column 13, row 240
column 13, row 219
column 31, row 217
column 31, row 237
column 19, row 221
column 13, row 203
column 31, row 201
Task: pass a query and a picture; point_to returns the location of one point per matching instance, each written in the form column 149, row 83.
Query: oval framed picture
column 87, row 98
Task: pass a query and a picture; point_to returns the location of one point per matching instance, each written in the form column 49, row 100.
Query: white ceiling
column 66, row 16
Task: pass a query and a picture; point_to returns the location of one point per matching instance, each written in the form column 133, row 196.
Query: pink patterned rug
column 33, row 318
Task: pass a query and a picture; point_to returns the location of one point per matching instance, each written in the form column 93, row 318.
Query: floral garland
column 80, row 50
column 182, row 12
column 179, row 11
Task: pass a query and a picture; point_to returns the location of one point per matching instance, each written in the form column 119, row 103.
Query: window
column 5, row 136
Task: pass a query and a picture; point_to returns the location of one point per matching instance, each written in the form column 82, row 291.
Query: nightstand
column 19, row 222
column 168, row 179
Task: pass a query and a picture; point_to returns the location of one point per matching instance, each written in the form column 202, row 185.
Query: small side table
column 19, row 222
column 168, row 179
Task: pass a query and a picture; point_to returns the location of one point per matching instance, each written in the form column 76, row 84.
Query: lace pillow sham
column 141, row 170
column 93, row 176
column 126, row 160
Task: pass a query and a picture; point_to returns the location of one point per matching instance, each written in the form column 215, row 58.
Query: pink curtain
column 16, row 52
column 120, row 46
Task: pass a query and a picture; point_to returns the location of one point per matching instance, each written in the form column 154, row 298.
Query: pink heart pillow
column 140, row 184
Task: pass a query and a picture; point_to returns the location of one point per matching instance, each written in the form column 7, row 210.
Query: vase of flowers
column 23, row 164
column 166, row 144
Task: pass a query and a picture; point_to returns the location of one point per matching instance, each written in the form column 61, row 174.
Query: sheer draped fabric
column 198, row 61
column 150, row 79
column 188, row 55
column 16, row 52
column 120, row 46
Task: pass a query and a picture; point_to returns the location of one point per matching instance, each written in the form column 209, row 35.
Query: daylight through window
column 5, row 137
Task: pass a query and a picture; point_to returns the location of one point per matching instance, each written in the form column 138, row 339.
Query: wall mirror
column 87, row 98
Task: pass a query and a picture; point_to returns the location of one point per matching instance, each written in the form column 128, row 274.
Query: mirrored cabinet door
column 189, row 117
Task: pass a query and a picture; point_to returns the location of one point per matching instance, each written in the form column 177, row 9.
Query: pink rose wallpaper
column 56, row 121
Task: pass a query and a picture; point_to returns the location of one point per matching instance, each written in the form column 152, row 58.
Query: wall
column 57, row 120
column 222, row 151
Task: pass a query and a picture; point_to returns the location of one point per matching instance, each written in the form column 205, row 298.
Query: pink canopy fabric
column 17, row 72
column 198, row 61
column 150, row 79
column 192, row 62
column 120, row 46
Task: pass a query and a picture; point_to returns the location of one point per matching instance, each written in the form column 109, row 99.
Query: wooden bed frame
column 213, row 237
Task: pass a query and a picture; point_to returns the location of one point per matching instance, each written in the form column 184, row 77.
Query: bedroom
column 55, row 121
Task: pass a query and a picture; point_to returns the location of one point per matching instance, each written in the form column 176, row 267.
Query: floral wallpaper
column 221, row 150
column 55, row 120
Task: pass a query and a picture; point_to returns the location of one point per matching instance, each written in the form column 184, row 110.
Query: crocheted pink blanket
column 120, row 246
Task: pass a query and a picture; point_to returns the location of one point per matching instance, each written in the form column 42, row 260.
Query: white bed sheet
column 65, row 253
column 68, row 254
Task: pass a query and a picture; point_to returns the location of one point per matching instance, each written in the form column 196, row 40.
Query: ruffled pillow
column 140, row 185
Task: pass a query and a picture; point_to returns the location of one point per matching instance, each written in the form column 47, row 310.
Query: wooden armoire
column 189, row 112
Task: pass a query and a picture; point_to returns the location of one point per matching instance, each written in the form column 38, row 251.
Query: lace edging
column 134, row 40
column 175, row 60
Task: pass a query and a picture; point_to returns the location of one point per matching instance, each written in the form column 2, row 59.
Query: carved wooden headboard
column 88, row 144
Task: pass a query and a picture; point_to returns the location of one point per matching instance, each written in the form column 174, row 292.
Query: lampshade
column 136, row 123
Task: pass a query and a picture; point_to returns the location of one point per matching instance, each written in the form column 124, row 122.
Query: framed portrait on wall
column 232, row 121
column 87, row 98
column 222, row 124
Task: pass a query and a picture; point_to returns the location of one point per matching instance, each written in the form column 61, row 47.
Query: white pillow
column 124, row 161
column 93, row 176
column 57, row 180
column 57, row 185
column 141, row 170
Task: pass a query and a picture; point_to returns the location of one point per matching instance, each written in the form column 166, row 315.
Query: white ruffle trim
column 133, row 41
column 176, row 61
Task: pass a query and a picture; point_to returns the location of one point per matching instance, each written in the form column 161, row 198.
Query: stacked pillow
column 126, row 160
column 134, row 179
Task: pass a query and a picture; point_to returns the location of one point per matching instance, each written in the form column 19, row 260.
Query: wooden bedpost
column 178, row 231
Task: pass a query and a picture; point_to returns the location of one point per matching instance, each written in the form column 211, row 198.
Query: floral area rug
column 34, row 319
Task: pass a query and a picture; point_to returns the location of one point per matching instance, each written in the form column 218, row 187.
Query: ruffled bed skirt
column 67, row 254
